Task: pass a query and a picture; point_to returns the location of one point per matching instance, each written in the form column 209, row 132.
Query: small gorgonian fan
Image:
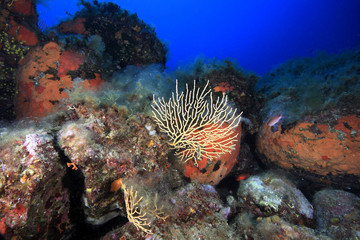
column 197, row 127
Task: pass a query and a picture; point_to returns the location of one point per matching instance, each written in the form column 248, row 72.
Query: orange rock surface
column 316, row 148
column 69, row 61
column 213, row 171
column 22, row 34
column 74, row 26
column 39, row 86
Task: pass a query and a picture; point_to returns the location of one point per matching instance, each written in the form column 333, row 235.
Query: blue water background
column 258, row 34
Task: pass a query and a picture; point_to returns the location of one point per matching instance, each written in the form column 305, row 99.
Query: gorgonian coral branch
column 140, row 217
column 134, row 213
column 197, row 125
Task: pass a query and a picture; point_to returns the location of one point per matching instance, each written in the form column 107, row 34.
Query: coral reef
column 135, row 42
column 18, row 32
column 102, row 52
column 97, row 155
column 106, row 146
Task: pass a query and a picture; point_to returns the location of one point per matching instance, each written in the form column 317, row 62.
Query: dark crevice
column 81, row 229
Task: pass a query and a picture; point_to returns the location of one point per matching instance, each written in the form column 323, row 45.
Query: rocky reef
column 98, row 141
column 311, row 118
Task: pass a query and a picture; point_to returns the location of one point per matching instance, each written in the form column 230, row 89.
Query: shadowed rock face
column 128, row 40
column 337, row 213
column 33, row 201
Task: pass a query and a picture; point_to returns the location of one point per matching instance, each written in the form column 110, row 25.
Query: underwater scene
column 196, row 120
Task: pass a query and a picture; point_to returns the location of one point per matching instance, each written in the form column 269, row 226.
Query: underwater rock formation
column 75, row 26
column 33, row 202
column 43, row 78
column 128, row 40
column 18, row 24
column 273, row 228
column 311, row 118
column 193, row 212
column 23, row 34
column 312, row 86
column 107, row 39
column 269, row 194
column 271, row 206
column 337, row 213
column 22, row 21
column 321, row 149
column 105, row 146
column 22, row 7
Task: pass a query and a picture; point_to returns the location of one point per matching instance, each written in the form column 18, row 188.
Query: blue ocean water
column 258, row 34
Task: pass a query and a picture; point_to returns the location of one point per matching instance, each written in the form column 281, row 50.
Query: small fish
column 242, row 176
column 274, row 120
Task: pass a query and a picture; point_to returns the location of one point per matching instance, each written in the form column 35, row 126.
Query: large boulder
column 331, row 149
column 337, row 213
